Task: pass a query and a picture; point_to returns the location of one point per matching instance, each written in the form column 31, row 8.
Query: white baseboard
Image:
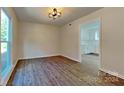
column 38, row 56
column 112, row 73
column 70, row 58
column 5, row 80
column 49, row 56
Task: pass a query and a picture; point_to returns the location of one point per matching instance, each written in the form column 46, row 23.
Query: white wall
column 112, row 46
column 38, row 40
column 69, row 46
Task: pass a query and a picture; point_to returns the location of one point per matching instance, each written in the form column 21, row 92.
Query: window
column 5, row 43
column 96, row 35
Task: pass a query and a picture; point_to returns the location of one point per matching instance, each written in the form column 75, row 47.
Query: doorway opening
column 90, row 45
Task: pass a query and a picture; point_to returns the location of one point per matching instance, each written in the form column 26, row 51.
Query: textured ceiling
column 40, row 14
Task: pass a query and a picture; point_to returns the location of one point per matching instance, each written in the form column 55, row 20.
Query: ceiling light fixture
column 54, row 14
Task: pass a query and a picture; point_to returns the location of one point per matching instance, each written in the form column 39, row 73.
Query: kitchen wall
column 89, row 37
column 112, row 38
column 38, row 40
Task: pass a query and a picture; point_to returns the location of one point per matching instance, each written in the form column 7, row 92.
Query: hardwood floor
column 54, row 71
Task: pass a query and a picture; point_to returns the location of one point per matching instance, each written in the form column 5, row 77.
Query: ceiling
column 40, row 14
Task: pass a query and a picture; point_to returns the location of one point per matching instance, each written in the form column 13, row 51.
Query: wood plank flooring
column 53, row 71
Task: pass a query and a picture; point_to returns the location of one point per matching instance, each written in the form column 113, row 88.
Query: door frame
column 100, row 38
